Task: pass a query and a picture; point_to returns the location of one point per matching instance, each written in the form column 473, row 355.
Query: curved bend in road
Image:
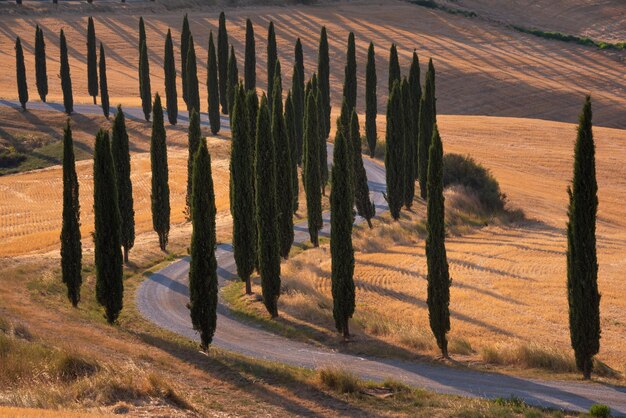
column 162, row 299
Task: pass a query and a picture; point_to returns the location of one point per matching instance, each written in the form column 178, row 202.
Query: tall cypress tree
column 272, row 57
column 365, row 207
column 298, row 113
column 233, row 79
column 349, row 85
column 341, row 219
column 250, row 63
column 142, row 41
column 107, row 249
column 416, row 94
column 213, row 89
column 582, row 260
column 194, row 138
column 184, row 48
column 144, row 82
column 290, row 124
column 104, row 86
column 438, row 276
column 193, row 95
column 252, row 113
column 222, row 62
column 323, row 73
column 311, row 170
column 40, row 64
column 169, row 69
column 323, row 159
column 121, row 159
column 410, row 146
column 66, row 79
column 394, row 66
column 71, row 249
column 242, row 190
column 371, row 102
column 22, row 86
column 267, row 211
column 426, row 122
column 394, row 160
column 203, row 265
column 160, row 196
column 92, row 63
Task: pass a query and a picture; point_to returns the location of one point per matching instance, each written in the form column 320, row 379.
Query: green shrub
column 599, row 410
column 10, row 158
column 340, row 380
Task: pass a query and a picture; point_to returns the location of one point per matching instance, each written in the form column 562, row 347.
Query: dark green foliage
column 349, row 85
column 272, row 57
column 465, row 171
column 250, row 62
column 311, row 169
column 40, row 64
column 203, row 265
column 416, row 94
column 345, row 119
column 438, row 275
column 431, row 4
column 582, row 261
column 571, row 38
column 341, row 220
column 160, row 196
column 184, row 49
column 252, row 112
column 142, row 33
column 213, row 89
column 394, row 155
column 92, row 63
column 193, row 93
column 194, row 138
column 71, row 251
column 104, row 86
column 121, row 159
column 290, row 124
column 144, row 82
column 371, row 102
column 298, row 113
column 410, row 146
column 22, row 86
column 66, row 79
column 242, row 190
column 323, row 74
column 600, row 411
column 222, row 62
column 365, row 207
column 323, row 159
column 169, row 69
column 267, row 211
column 426, row 122
column 107, row 242
column 233, row 79
column 394, row 66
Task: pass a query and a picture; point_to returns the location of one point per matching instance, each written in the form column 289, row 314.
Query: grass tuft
column 339, row 380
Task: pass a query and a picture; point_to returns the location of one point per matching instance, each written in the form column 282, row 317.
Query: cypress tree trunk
column 193, row 95
column 408, row 173
column 222, row 62
column 298, row 113
column 272, row 57
column 323, row 73
column 349, row 85
column 290, row 125
column 394, row 66
column 233, row 79
column 582, row 260
column 394, row 160
column 194, row 139
column 40, row 64
column 184, row 48
column 438, row 276
column 213, row 89
column 66, row 79
column 160, row 196
column 107, row 249
column 169, row 69
column 426, row 122
column 22, row 86
column 121, row 159
column 267, row 211
column 250, row 63
column 92, row 64
column 203, row 265
column 104, row 87
column 144, row 82
column 364, row 206
column 311, row 170
column 416, row 93
column 242, row 191
column 371, row 102
column 341, row 220
column 71, row 249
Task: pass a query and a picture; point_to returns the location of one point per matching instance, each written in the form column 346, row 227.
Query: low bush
column 600, row 411
column 340, row 380
column 581, row 40
column 9, row 158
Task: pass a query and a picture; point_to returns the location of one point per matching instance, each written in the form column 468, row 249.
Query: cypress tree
column 365, row 207
column 184, row 48
column 416, row 93
column 169, row 69
column 104, row 87
column 272, row 57
column 394, row 66
column 250, row 63
column 121, row 159
column 160, row 196
column 233, row 79
column 40, row 64
column 426, row 122
column 203, row 265
column 582, row 260
column 341, row 219
column 252, row 112
column 323, row 74
column 345, row 119
column 349, row 85
column 71, row 250
column 242, row 191
column 193, row 95
column 92, row 64
column 144, row 82
column 311, row 170
column 194, row 138
column 142, row 33
column 394, row 161
column 22, row 86
column 323, row 159
column 438, row 276
column 222, row 62
column 66, row 79
column 298, row 113
column 409, row 146
column 107, row 249
column 267, row 211
column 371, row 102
column 213, row 89
column 142, row 64
column 290, row 124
